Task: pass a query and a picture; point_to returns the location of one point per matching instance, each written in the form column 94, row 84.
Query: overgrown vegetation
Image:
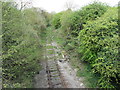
column 23, row 33
column 89, row 36
column 92, row 34
column 99, row 46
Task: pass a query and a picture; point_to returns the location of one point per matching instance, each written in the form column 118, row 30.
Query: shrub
column 21, row 44
column 72, row 22
column 56, row 20
column 99, row 46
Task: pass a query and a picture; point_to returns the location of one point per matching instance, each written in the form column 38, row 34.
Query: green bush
column 93, row 11
column 99, row 46
column 21, row 44
column 69, row 23
column 72, row 22
column 56, row 20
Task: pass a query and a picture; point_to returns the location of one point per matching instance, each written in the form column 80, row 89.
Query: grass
column 84, row 70
column 50, row 52
column 28, row 82
column 49, row 47
column 90, row 79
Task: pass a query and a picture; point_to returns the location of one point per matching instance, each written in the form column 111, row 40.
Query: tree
column 69, row 5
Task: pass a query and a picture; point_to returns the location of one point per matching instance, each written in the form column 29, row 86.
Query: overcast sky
column 59, row 5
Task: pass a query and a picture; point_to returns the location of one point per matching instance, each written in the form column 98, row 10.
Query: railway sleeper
column 52, row 65
column 54, row 75
column 51, row 62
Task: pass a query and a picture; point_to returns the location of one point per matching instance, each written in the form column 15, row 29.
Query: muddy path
column 56, row 71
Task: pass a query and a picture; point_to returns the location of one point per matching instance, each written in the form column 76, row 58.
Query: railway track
column 55, row 79
column 56, row 72
column 53, row 74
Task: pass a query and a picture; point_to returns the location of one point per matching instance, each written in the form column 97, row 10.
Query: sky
column 59, row 5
